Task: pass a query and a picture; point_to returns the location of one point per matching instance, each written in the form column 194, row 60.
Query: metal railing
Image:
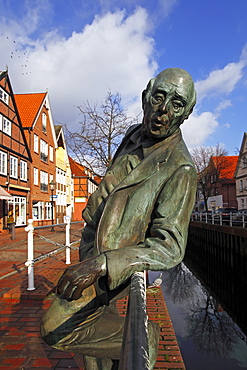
column 230, row 219
column 30, row 247
column 135, row 352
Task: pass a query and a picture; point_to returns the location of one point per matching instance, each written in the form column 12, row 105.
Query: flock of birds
column 22, row 56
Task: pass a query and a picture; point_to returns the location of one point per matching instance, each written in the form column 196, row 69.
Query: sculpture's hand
column 78, row 277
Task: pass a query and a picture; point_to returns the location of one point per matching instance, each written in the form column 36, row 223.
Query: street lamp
column 52, row 187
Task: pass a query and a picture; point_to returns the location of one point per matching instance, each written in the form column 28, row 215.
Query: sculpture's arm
column 164, row 246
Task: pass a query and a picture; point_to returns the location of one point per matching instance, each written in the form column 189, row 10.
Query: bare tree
column 208, row 169
column 99, row 133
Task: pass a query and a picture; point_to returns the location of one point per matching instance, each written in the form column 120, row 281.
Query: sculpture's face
column 165, row 109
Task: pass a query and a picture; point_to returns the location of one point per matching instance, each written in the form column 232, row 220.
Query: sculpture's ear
column 189, row 113
column 191, row 105
column 147, row 92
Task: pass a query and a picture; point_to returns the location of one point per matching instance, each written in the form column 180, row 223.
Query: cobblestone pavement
column 21, row 346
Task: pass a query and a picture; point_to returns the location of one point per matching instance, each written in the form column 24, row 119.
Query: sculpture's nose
column 163, row 106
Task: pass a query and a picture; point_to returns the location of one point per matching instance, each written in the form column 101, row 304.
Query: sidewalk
column 21, row 310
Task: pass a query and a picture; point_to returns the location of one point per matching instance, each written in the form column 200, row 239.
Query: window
column 6, row 126
column 43, row 151
column 241, row 185
column 51, row 153
column 23, row 170
column 43, row 181
column 36, row 143
column 13, row 166
column 48, row 210
column 44, row 120
column 38, row 210
column 91, row 186
column 35, row 176
column 244, row 162
column 3, row 163
column 4, row 96
column 17, row 211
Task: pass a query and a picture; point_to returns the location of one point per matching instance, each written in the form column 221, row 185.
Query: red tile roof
column 227, row 165
column 76, row 168
column 28, row 106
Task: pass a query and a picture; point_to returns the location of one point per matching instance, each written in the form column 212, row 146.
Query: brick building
column 37, row 121
column 15, row 160
column 219, row 183
column 85, row 183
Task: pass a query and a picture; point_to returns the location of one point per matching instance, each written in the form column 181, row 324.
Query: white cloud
column 201, row 125
column 222, row 105
column 114, row 52
column 222, row 81
column 166, row 6
column 198, row 128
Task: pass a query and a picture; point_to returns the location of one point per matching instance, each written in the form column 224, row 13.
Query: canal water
column 208, row 337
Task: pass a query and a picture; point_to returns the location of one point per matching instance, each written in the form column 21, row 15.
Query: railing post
column 67, row 243
column 30, row 254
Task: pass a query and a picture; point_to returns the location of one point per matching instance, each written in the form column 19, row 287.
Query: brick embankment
column 21, row 346
column 169, row 355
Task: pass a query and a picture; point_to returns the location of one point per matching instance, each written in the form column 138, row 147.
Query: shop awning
column 4, row 194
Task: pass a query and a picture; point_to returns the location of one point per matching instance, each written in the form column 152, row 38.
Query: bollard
column 13, row 230
column 30, row 263
column 67, row 243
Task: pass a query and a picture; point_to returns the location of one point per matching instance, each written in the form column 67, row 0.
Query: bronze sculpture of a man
column 136, row 220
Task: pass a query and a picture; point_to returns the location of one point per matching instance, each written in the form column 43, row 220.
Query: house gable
column 241, row 169
column 12, row 136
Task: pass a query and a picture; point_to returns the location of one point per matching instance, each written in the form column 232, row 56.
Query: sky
column 79, row 50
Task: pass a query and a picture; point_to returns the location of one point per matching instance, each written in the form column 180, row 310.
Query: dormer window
column 44, row 122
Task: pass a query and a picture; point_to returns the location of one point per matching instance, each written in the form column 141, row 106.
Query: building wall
column 40, row 200
column 63, row 185
column 241, row 176
column 80, row 196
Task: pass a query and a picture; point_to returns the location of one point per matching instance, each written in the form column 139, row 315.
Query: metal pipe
column 135, row 352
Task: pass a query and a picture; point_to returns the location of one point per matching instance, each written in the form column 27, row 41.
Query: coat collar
column 154, row 156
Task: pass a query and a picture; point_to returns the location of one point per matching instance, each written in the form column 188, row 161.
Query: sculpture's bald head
column 167, row 101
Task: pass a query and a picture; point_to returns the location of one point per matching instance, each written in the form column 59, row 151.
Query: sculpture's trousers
column 85, row 326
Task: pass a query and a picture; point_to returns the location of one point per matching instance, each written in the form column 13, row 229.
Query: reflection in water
column 203, row 322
